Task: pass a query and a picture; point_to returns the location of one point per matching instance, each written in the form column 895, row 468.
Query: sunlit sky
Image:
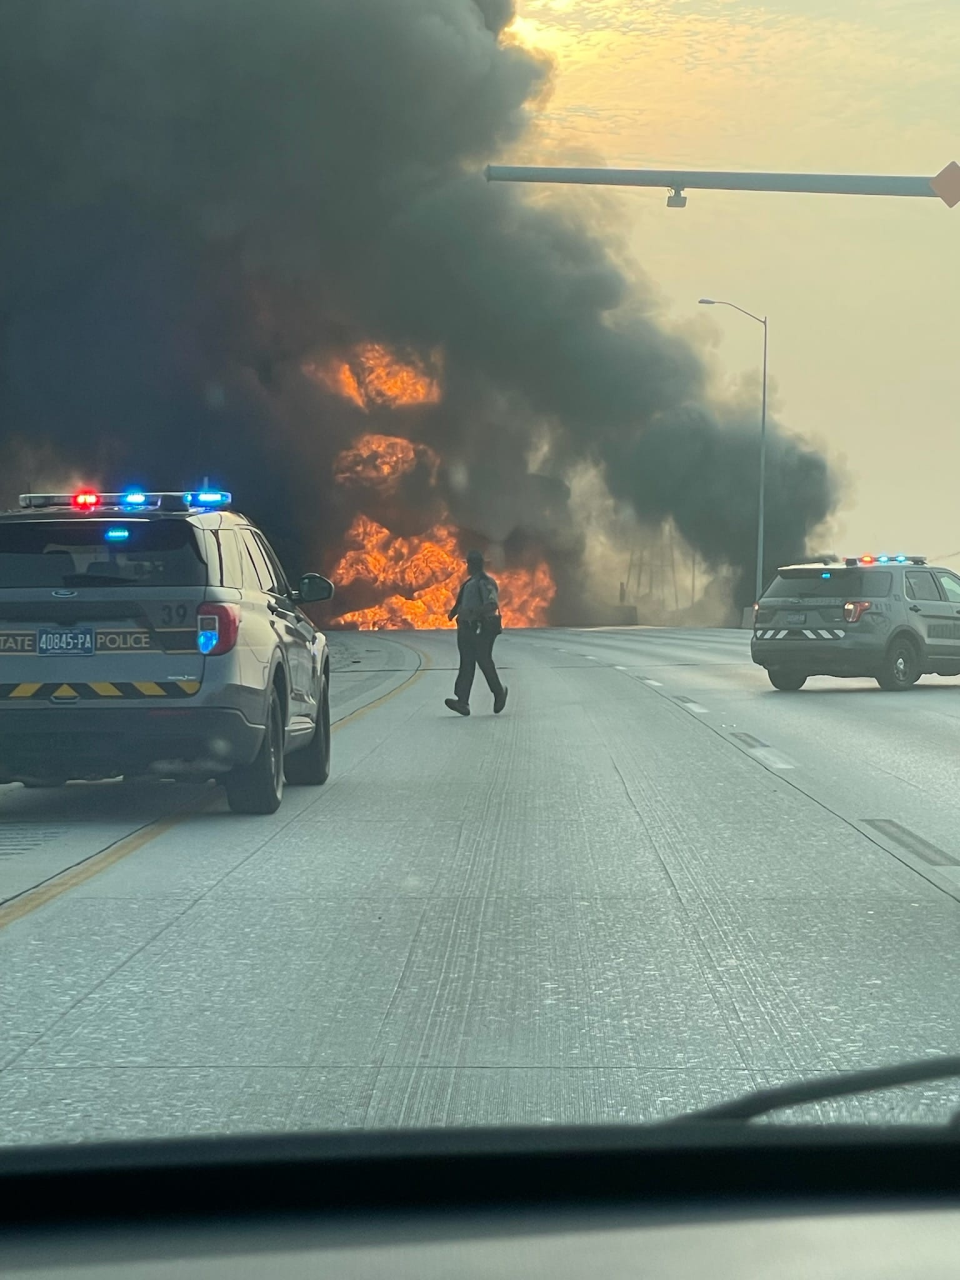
column 862, row 294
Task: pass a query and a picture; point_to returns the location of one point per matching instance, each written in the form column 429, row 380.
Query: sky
column 862, row 294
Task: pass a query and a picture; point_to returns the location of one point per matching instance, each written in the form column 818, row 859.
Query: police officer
column 477, row 613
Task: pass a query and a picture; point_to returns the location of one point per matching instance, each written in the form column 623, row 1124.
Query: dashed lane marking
column 691, row 705
column 910, row 841
column 763, row 752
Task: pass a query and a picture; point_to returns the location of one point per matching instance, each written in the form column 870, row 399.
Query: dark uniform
column 477, row 612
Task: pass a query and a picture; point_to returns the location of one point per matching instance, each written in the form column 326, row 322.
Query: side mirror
column 313, row 589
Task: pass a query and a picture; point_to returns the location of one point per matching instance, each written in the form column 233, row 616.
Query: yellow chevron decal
column 24, row 691
column 106, row 690
column 99, row 691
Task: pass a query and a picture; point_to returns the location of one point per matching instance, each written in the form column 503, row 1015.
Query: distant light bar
column 854, row 562
column 117, row 535
column 208, row 498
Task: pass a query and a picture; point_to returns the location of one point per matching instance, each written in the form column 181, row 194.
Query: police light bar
column 854, row 562
column 132, row 500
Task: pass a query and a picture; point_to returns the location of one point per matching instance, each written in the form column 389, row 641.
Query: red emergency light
column 86, row 500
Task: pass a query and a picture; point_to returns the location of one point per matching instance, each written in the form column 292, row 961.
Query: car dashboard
column 718, row 1200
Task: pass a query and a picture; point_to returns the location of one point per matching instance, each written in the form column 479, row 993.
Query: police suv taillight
column 854, row 610
column 217, row 628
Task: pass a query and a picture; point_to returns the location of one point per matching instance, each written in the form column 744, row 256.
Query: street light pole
column 763, row 468
column 717, row 302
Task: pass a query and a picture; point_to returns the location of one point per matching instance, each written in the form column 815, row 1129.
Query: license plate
column 796, row 619
column 76, row 640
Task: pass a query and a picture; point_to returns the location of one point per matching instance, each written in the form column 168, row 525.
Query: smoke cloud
column 201, row 198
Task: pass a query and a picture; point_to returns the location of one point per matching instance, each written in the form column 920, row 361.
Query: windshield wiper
column 762, row 1101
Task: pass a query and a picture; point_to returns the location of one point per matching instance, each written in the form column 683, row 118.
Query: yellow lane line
column 93, row 866
column 412, row 678
column 17, row 908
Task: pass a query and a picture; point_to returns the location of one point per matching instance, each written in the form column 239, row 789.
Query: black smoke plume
column 199, row 198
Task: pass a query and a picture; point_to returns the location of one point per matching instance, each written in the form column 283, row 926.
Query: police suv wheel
column 900, row 668
column 310, row 766
column 788, row 681
column 258, row 787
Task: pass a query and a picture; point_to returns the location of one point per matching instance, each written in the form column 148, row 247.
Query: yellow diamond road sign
column 947, row 184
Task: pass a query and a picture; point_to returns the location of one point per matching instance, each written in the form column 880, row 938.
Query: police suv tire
column 900, row 668
column 310, row 766
column 787, row 681
column 258, row 787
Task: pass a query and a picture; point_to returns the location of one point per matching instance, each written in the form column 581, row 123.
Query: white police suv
column 892, row 617
column 156, row 633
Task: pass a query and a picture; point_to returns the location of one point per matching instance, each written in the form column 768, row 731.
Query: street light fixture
column 719, row 302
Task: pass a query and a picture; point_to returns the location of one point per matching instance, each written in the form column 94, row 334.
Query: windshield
column 450, row 740
column 118, row 553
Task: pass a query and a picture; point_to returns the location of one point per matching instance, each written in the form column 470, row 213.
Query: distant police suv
column 156, row 633
column 891, row 617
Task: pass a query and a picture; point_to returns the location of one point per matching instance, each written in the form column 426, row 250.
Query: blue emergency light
column 208, row 498
column 118, row 534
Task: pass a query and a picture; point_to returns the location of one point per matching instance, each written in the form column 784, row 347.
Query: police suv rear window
column 99, row 553
column 852, row 584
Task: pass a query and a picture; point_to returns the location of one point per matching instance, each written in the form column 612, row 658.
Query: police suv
column 156, row 633
column 890, row 617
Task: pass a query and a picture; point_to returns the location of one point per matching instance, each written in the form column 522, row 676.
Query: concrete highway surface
column 652, row 884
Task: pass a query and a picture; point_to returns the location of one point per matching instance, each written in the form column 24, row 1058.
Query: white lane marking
column 620, row 668
column 772, row 759
column 590, row 658
column 691, row 705
column 657, row 684
column 762, row 752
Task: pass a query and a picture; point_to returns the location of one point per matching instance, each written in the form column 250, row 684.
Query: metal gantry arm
column 944, row 186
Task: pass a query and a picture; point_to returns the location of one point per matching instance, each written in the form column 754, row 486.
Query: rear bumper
column 846, row 656
column 87, row 741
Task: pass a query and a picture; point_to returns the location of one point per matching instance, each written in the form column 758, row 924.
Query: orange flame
column 417, row 578
column 422, row 576
column 372, row 376
column 377, row 462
